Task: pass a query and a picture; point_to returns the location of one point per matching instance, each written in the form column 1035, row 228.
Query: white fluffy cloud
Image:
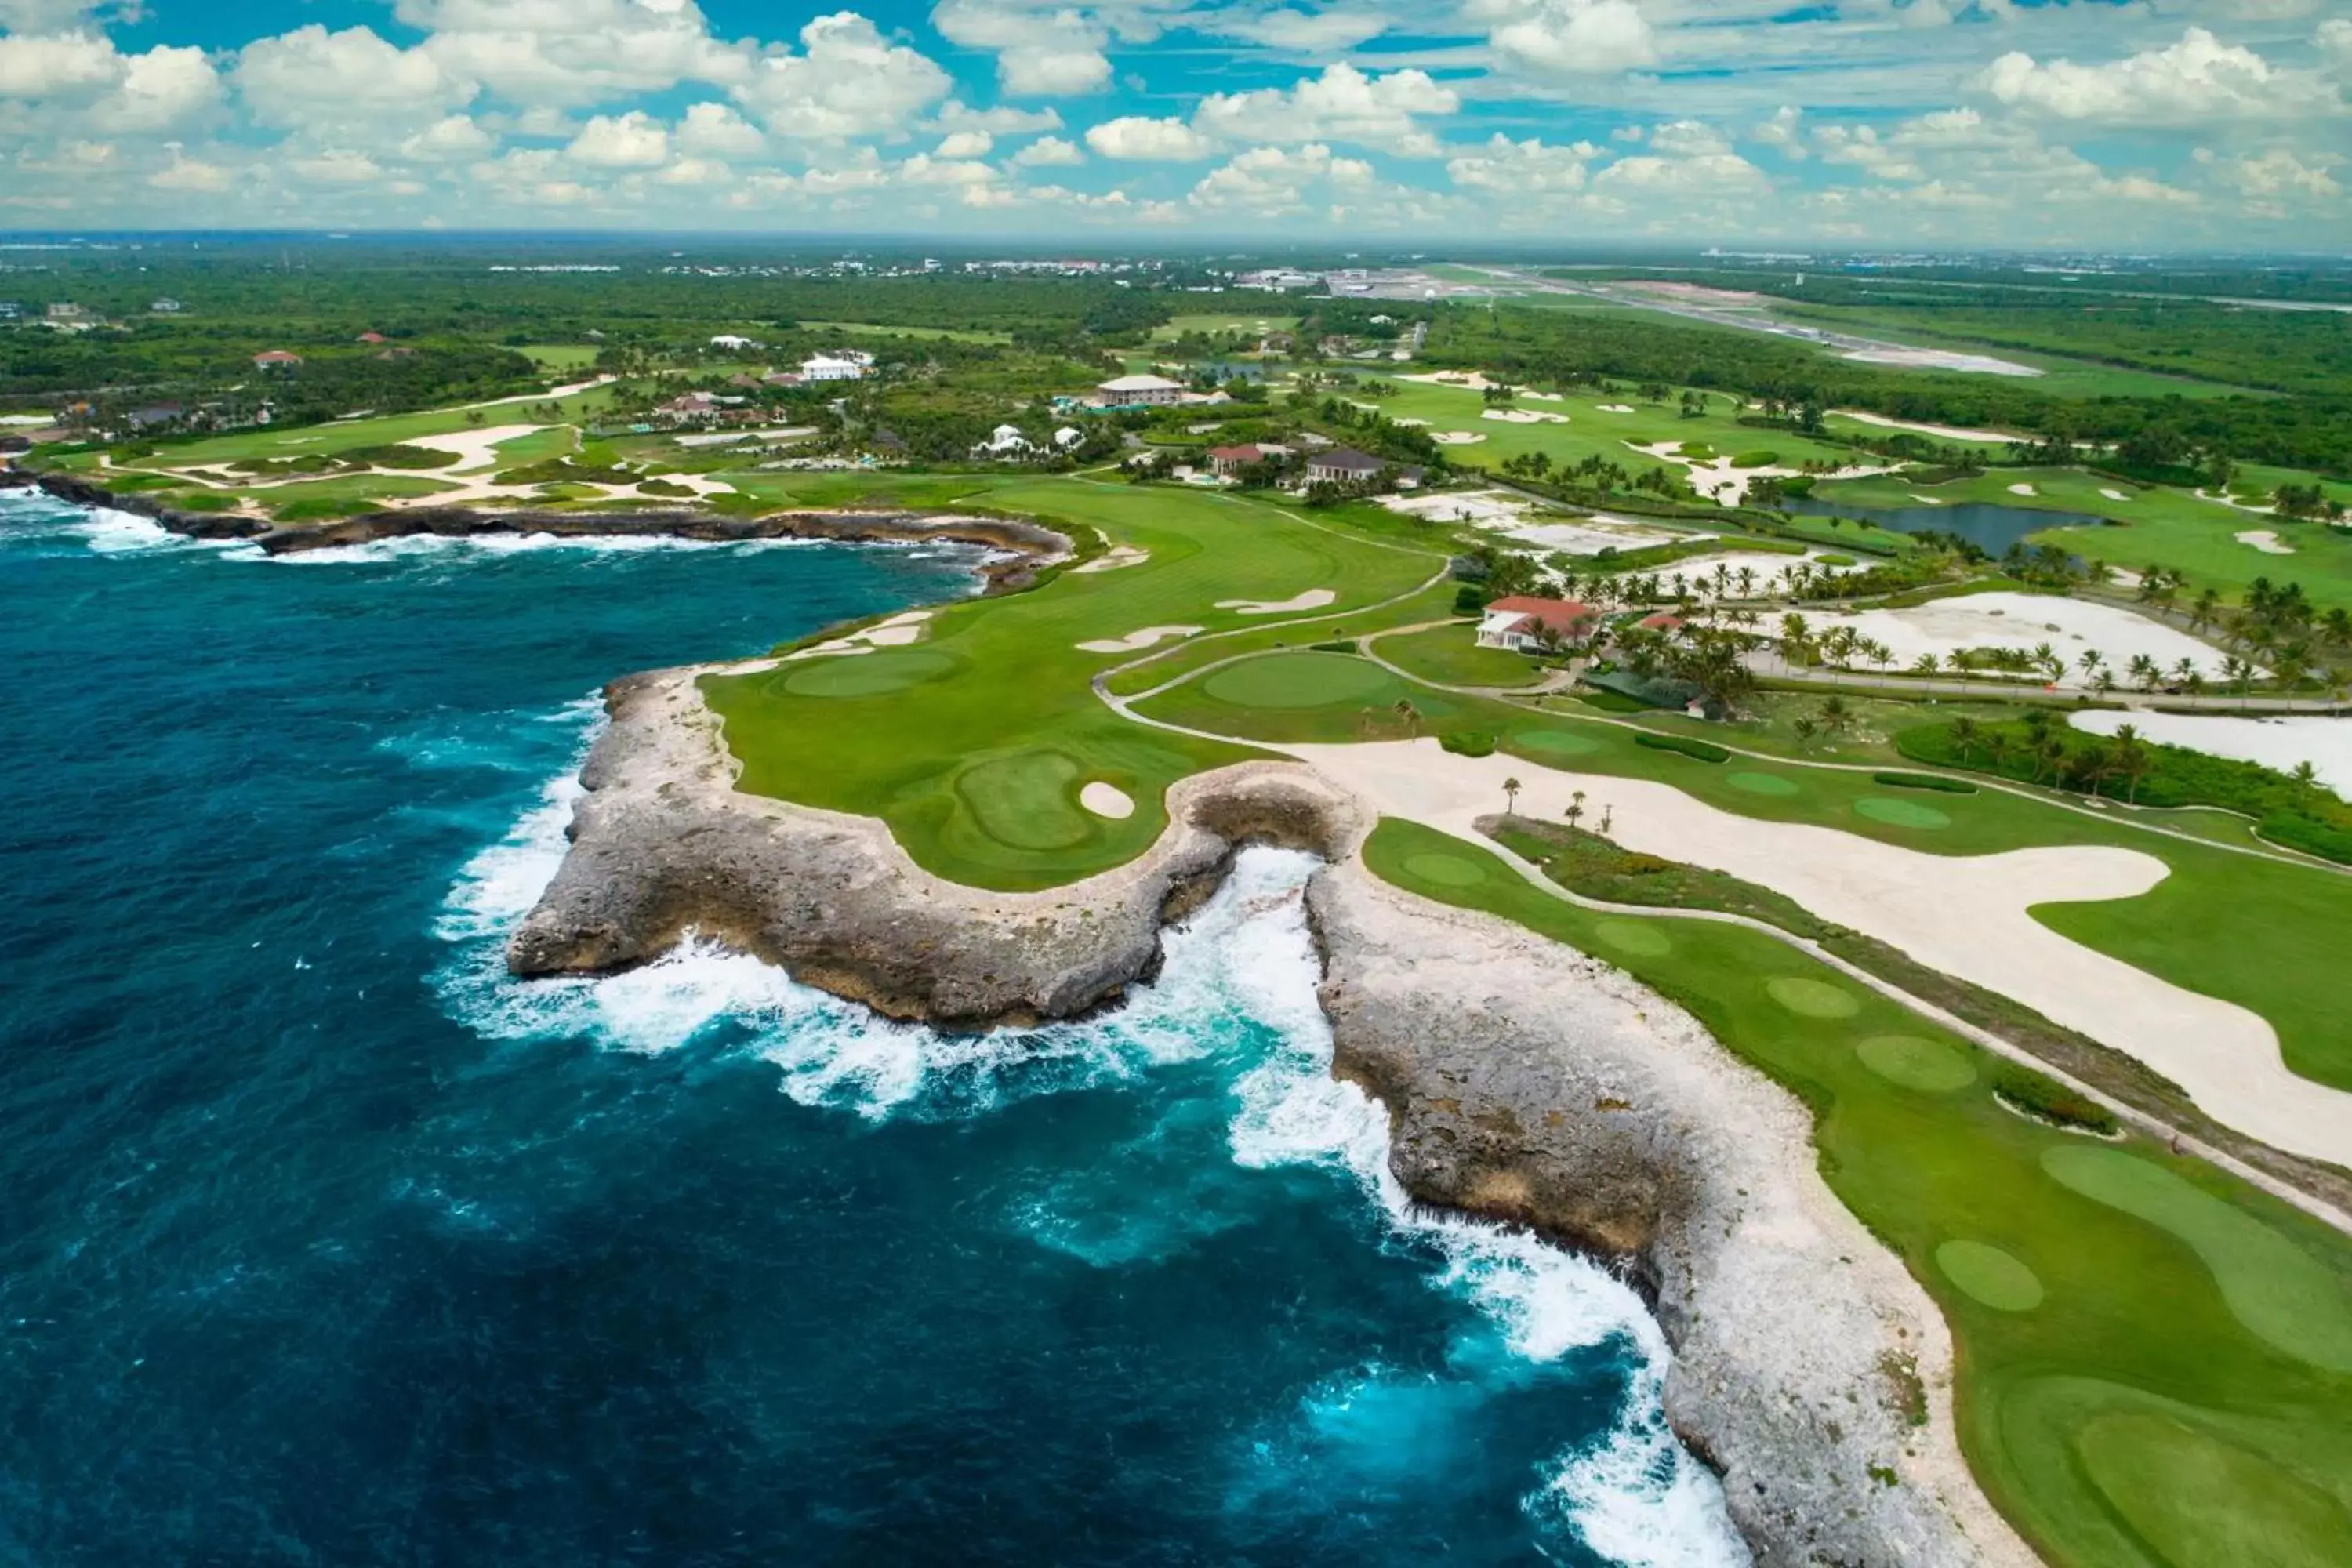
column 632, row 140
column 1139, row 137
column 1551, row 38
column 1049, row 152
column 965, row 144
column 452, row 136
column 1311, row 33
column 1273, row 182
column 715, row 130
column 2199, row 79
column 1004, row 120
column 848, row 81
column 574, row 53
column 1343, row 104
column 1040, row 53
column 2277, row 182
column 62, row 65
column 1784, row 131
column 311, row 77
column 1519, row 169
column 340, row 166
column 190, row 176
column 81, row 76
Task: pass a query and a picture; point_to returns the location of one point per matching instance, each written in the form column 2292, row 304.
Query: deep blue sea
column 322, row 1241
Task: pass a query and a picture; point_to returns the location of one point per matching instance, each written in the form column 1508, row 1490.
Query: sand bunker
column 2114, row 495
column 897, row 632
column 1614, row 407
column 1524, row 416
column 1457, row 437
column 1107, row 800
column 1546, row 396
column 476, row 448
column 2023, row 489
column 1950, row 432
column 1313, row 599
column 1136, row 642
column 1412, row 424
column 1471, row 380
column 2070, row 626
column 1965, row 915
column 1116, row 556
column 2265, row 540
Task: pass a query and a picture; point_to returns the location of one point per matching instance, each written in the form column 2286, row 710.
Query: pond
column 1991, row 526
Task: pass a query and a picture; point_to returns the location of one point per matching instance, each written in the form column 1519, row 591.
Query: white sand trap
column 477, row 448
column 1107, row 800
column 2071, row 627
column 2115, row 495
column 1614, row 407
column 1457, row 437
column 1926, row 501
column 2265, row 540
column 1524, row 416
column 1546, row 396
column 1590, row 536
column 1698, row 574
column 2326, row 743
column 1412, row 424
column 2023, row 489
column 1950, row 432
column 1469, row 380
column 897, row 632
column 1487, row 508
column 1116, row 556
column 1136, row 642
column 1965, row 915
column 1313, row 599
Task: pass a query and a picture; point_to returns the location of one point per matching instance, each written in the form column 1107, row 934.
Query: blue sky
column 2168, row 125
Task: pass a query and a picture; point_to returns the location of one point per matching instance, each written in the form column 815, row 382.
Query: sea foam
column 1239, row 980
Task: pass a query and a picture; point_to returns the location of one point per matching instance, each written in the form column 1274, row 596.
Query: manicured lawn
column 2247, row 930
column 2114, row 1399
column 565, row 357
column 1450, row 656
column 927, row 334
column 1235, row 325
column 974, row 743
column 325, row 440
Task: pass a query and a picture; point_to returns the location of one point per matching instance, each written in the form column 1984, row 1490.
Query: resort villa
column 1139, row 392
column 1524, row 624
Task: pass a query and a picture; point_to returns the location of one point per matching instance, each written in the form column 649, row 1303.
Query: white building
column 1004, row 441
column 1067, row 437
column 835, row 367
column 1140, row 391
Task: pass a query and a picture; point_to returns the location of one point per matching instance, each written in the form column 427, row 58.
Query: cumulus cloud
column 715, row 130
column 848, row 81
column 1004, row 120
column 632, row 140
column 1343, row 104
column 1785, row 130
column 2196, row 80
column 1861, row 147
column 340, row 166
column 2274, row 181
column 1311, row 33
column 192, row 176
column 965, row 144
column 81, row 79
column 63, row 66
column 1532, row 167
column 1040, row 53
column 452, row 136
column 311, row 77
column 532, row 176
column 1049, row 152
column 1553, row 38
column 572, row 53
column 1270, row 182
column 1139, row 138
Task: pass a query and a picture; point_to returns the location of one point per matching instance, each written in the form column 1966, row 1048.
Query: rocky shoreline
column 1019, row 549
column 1525, row 1083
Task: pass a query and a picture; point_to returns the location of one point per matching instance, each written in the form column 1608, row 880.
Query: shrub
column 400, row 455
column 1923, row 781
column 1344, row 645
column 1698, row 451
column 1469, row 601
column 1468, row 743
column 1758, row 460
column 2051, row 1100
column 1701, row 751
column 2295, row 831
column 664, row 488
column 1610, row 701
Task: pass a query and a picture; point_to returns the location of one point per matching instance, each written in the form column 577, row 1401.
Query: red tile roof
column 1560, row 615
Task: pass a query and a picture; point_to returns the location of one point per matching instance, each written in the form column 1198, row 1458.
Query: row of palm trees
column 2045, row 749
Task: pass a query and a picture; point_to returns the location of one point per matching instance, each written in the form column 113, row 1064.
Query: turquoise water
column 328, row 1243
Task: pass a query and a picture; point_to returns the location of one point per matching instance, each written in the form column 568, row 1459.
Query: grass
column 973, row 745
column 565, row 357
column 2255, row 1444
column 2247, row 930
column 923, row 334
column 1227, row 325
column 1450, row 655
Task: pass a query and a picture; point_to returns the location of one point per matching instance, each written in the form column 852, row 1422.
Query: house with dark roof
column 1526, row 624
column 1346, row 466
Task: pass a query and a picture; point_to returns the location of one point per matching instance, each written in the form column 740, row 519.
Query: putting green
column 1930, row 1067
column 1555, row 743
column 867, row 674
column 1900, row 813
column 1634, row 936
column 1026, row 800
column 1762, row 783
column 2197, row 1499
column 1448, row 870
column 1814, row 998
column 2280, row 1292
column 1988, row 1275
column 1297, row 680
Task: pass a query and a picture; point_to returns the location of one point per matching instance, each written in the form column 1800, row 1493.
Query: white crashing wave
column 103, row 529
column 1243, row 969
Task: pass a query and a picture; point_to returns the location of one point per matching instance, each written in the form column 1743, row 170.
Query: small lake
column 1991, row 526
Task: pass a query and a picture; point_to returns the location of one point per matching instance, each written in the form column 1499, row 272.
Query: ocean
column 325, row 1242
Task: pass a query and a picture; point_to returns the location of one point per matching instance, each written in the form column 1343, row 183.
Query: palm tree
column 1796, row 638
column 1926, row 664
column 1575, row 812
column 1405, row 711
column 2305, row 776
column 1511, row 787
column 2132, row 759
column 1835, row 715
column 1966, row 735
column 2202, row 613
column 1805, row 729
column 2090, row 660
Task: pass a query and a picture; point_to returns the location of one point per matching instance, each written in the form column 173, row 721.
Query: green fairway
column 1450, row 655
column 1230, row 325
column 2071, row 1314
column 1298, row 681
column 972, row 745
column 2253, row 931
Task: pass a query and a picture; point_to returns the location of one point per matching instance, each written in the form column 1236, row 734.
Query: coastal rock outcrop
column 1526, row 1083
column 662, row 844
